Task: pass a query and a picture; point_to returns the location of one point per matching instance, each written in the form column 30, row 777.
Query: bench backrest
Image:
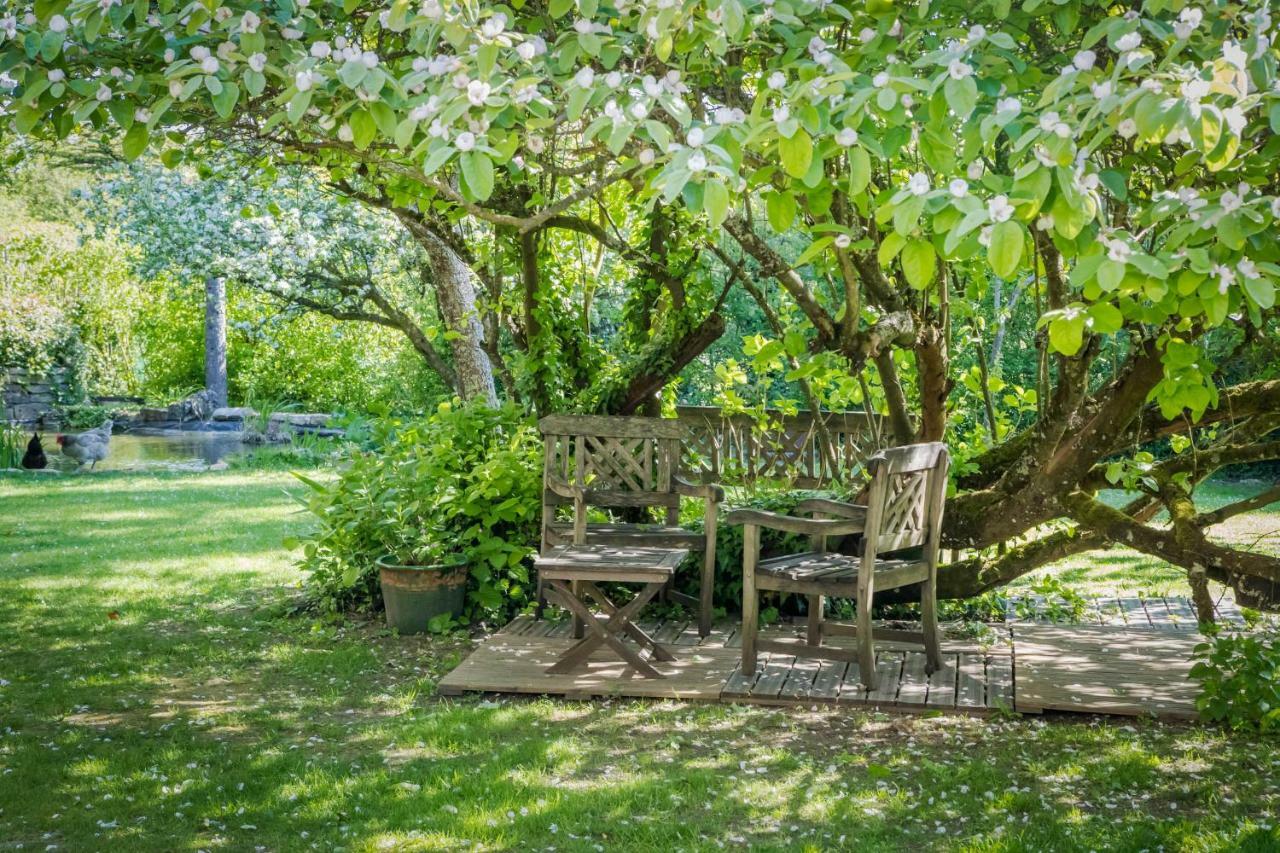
column 624, row 461
column 808, row 450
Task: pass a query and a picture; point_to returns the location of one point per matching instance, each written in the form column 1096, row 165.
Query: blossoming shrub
column 463, row 482
column 1239, row 675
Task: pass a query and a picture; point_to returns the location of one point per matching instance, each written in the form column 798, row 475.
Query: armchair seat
column 836, row 573
column 623, row 535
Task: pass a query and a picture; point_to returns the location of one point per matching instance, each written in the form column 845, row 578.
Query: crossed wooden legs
column 606, row 629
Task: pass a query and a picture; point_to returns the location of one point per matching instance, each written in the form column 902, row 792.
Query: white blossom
column 1008, row 107
column 918, row 184
column 977, row 33
column 959, row 70
column 369, row 59
column 322, row 50
column 304, row 80
column 57, row 75
column 1128, row 128
column 999, row 209
column 258, row 61
column 58, row 24
column 1118, row 250
column 697, row 162
column 959, row 187
column 1084, row 60
column 585, row 77
column 477, row 92
column 209, row 65
column 1129, row 41
column 695, row 137
column 843, row 241
column 345, row 133
column 493, row 27
column 777, row 80
column 465, row 141
column 647, row 156
column 974, row 170
column 104, row 93
column 1234, row 55
column 846, row 136
column 1045, row 222
column 249, row 22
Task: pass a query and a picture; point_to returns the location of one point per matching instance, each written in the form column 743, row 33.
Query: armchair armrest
column 795, row 524
column 840, row 509
column 689, row 489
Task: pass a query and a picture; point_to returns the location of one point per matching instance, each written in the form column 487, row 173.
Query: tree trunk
column 215, row 338
column 455, row 288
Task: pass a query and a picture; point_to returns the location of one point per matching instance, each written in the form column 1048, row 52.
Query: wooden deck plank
column 826, row 684
column 1183, row 614
column 914, row 686
column 970, row 686
column 738, row 685
column 799, row 683
column 999, row 683
column 1158, row 614
column 772, row 676
column 942, row 684
column 1104, row 670
column 518, row 625
column 1134, row 614
column 889, row 672
column 852, row 690
column 671, row 630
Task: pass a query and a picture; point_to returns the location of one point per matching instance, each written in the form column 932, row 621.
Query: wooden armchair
column 900, row 526
column 630, row 464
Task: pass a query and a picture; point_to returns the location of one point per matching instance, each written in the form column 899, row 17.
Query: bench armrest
column 795, row 524
column 689, row 489
column 566, row 490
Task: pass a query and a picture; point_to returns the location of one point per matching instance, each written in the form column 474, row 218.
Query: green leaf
column 363, row 129
column 298, row 106
column 558, row 8
column 781, row 209
column 1110, row 274
column 384, row 117
column 477, row 173
column 1066, row 332
column 889, row 248
column 859, row 169
column 919, row 261
column 1261, row 290
column 1005, row 250
column 796, row 153
column 962, row 96
column 224, row 102
column 1106, row 318
column 715, row 201
column 135, row 141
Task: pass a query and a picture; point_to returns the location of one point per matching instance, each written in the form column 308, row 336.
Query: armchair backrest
column 905, row 499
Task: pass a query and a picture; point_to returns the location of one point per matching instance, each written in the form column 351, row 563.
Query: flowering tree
column 1117, row 157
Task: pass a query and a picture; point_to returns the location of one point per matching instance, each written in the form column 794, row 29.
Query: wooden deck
column 1131, row 658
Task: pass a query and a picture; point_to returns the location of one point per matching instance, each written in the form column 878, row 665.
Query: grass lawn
column 155, row 696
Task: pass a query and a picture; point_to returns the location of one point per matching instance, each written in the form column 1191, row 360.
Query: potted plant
column 420, row 585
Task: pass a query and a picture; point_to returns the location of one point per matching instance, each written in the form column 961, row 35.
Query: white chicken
column 88, row 447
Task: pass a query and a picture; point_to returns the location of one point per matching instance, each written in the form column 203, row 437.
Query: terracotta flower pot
column 414, row 595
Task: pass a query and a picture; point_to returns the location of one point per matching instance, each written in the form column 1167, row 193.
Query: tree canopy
column 871, row 174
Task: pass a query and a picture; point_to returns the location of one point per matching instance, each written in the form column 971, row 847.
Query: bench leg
column 814, row 633
column 929, row 624
column 750, row 598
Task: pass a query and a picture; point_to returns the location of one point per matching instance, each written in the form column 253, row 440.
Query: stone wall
column 28, row 397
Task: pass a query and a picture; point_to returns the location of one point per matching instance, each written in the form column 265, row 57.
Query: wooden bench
column 633, row 466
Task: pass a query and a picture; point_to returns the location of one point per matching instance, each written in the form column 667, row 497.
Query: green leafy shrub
column 463, row 482
column 84, row 416
column 1239, row 675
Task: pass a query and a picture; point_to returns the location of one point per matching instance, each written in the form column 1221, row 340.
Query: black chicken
column 35, row 460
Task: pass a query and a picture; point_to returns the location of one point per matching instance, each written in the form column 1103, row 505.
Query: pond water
column 168, row 449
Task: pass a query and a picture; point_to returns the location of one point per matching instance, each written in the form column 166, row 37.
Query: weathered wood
column 904, row 508
column 1079, row 668
column 970, row 689
column 612, row 426
column 1105, row 669
column 942, row 684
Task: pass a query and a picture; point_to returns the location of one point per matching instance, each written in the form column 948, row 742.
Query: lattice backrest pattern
column 906, row 496
column 620, row 455
column 807, row 450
